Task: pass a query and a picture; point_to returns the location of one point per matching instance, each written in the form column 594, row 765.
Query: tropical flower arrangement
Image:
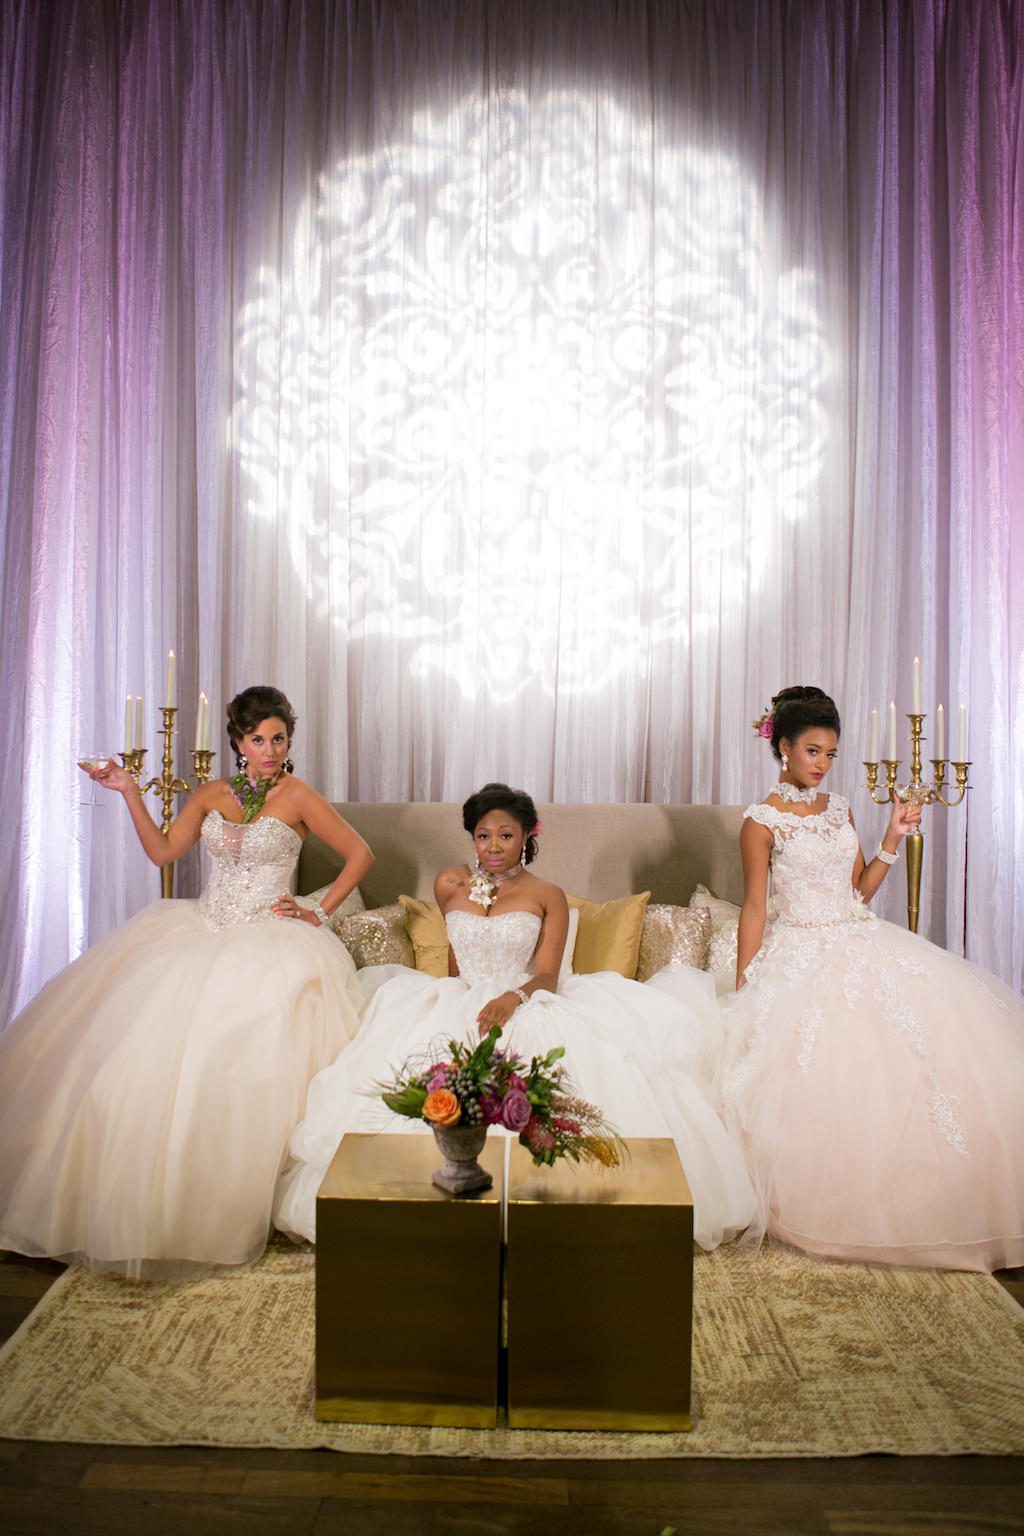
column 485, row 1086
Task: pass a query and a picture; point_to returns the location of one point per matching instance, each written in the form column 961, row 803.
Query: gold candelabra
column 168, row 784
column 918, row 792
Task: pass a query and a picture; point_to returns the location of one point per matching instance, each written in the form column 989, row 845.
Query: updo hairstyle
column 796, row 710
column 498, row 797
column 252, row 705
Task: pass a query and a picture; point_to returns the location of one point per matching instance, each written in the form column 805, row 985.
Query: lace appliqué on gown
column 250, row 865
column 820, row 914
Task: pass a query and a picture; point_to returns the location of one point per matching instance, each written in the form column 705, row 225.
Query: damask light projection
column 524, row 368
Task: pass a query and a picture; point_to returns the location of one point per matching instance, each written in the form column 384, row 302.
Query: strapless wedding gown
column 630, row 1049
column 876, row 1081
column 148, row 1092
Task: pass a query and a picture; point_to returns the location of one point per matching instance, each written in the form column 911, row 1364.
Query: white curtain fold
column 529, row 389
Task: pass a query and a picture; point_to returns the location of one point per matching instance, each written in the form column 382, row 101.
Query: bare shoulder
column 454, row 878
column 550, row 896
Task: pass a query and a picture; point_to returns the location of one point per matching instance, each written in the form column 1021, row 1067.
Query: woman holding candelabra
column 629, row 1048
column 875, row 1080
column 148, row 1093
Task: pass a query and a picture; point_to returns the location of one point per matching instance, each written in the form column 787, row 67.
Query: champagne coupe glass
column 94, row 760
column 913, row 794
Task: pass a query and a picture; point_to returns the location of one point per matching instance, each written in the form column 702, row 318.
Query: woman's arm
column 321, row 817
column 184, row 829
column 755, row 850
column 867, row 877
column 448, row 883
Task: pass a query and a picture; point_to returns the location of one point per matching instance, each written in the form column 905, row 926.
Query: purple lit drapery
column 528, row 389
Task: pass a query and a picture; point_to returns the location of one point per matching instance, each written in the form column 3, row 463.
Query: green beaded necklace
column 251, row 796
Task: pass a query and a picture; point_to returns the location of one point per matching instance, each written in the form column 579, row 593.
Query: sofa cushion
column 377, row 937
column 426, row 928
column 673, row 936
column 609, row 934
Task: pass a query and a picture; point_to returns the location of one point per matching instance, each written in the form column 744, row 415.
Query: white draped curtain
column 528, row 387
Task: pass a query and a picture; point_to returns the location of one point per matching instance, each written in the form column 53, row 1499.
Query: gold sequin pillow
column 377, row 937
column 725, row 923
column 673, row 936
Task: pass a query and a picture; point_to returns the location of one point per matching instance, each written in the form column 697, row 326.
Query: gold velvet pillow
column 609, row 936
column 425, row 927
column 377, row 937
column 673, row 935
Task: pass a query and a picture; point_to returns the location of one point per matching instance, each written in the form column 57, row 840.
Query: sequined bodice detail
column 249, row 867
column 812, row 863
column 498, row 950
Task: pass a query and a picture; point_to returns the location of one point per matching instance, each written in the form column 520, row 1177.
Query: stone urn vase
column 460, row 1145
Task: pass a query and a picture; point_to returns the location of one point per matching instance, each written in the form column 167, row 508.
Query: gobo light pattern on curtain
column 543, row 406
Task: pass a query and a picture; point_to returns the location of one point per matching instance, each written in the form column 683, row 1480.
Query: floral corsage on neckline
column 765, row 725
column 485, row 1086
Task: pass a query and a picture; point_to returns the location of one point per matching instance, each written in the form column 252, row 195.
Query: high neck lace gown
column 876, row 1081
column 630, row 1049
column 147, row 1094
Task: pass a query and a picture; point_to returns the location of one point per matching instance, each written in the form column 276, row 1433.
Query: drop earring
column 243, row 762
column 785, row 762
column 289, row 766
column 522, row 856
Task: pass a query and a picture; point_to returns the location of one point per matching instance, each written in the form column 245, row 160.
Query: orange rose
column 442, row 1107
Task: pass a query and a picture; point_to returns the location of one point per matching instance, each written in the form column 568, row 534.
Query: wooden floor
column 72, row 1490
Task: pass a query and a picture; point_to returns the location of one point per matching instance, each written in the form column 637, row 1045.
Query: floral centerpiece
column 473, row 1088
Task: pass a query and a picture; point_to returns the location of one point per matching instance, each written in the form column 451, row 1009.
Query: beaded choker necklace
column 791, row 794
column 483, row 888
column 251, row 796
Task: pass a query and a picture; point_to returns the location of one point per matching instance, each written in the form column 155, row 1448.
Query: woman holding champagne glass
column 147, row 1094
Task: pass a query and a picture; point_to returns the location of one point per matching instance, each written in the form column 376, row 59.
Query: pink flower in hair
column 537, row 829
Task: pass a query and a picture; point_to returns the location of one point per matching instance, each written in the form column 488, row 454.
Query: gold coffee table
column 600, row 1293
column 408, row 1287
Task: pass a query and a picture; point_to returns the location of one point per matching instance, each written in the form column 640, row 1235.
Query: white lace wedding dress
column 631, row 1049
column 147, row 1094
column 876, row 1081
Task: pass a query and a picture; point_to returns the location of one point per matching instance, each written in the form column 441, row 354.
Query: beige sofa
column 597, row 851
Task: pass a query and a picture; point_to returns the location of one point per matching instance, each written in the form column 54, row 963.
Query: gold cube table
column 600, row 1293
column 408, row 1287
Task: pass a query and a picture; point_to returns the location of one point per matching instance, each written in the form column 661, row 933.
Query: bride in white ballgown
column 875, row 1080
column 148, row 1092
column 632, row 1050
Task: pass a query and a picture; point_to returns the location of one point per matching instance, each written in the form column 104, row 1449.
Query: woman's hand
column 497, row 1012
column 287, row 906
column 906, row 817
column 110, row 776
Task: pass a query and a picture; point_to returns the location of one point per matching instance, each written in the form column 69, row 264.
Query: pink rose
column 439, row 1079
column 766, row 729
column 515, row 1110
column 491, row 1108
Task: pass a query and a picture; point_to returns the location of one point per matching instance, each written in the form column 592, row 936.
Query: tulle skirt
column 148, row 1093
column 877, row 1084
column 630, row 1049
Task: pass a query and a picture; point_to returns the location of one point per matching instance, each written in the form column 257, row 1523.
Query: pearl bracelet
column 886, row 858
column 522, row 996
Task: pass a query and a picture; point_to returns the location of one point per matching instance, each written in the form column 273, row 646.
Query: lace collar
column 793, row 796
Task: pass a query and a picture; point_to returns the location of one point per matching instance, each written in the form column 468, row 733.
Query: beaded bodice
column 812, row 863
column 496, row 949
column 249, row 867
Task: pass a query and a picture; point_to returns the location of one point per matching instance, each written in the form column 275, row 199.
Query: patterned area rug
column 792, row 1357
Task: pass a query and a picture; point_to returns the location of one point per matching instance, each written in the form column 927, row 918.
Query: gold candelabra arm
column 960, row 769
column 202, row 758
column 892, row 767
column 132, row 761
